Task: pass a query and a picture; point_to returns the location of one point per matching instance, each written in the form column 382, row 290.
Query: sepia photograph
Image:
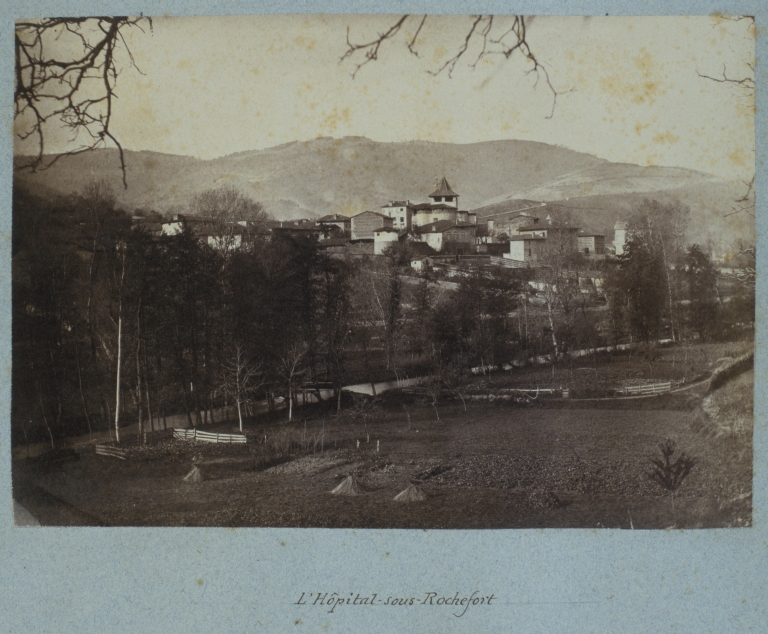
column 383, row 271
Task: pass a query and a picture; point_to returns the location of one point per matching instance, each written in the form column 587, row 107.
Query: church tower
column 444, row 195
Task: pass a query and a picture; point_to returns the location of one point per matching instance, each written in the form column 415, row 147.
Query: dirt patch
column 488, row 467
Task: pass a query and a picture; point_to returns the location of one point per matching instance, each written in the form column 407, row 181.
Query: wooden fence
column 530, row 391
column 206, row 436
column 112, row 452
column 646, row 390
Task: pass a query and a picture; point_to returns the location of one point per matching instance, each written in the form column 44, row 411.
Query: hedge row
column 738, row 366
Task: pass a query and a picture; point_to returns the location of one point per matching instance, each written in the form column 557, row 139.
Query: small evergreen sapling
column 669, row 474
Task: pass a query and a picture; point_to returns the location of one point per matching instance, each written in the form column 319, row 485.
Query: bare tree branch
column 371, row 49
column 479, row 33
column 65, row 73
column 745, row 82
column 415, row 35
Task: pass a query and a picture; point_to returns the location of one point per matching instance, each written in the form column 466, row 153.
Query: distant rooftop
column 443, row 189
column 334, row 218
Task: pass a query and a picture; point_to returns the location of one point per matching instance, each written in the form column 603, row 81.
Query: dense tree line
column 662, row 287
column 113, row 324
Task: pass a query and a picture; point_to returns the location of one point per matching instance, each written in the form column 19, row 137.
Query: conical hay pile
column 410, row 494
column 348, row 487
column 194, row 476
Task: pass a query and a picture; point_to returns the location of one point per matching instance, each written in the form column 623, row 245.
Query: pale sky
column 630, row 89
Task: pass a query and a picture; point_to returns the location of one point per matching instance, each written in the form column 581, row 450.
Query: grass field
column 579, row 465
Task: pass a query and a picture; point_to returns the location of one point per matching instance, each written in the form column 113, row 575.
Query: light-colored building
column 620, row 237
column 217, row 234
column 443, row 205
column 401, row 212
column 364, row 224
column 445, row 235
column 421, row 263
column 384, row 238
column 526, row 248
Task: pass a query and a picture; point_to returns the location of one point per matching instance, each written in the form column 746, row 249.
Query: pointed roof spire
column 443, row 189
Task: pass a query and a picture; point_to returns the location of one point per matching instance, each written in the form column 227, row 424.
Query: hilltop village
column 435, row 234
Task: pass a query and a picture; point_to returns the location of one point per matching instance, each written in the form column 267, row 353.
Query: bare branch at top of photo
column 747, row 82
column 370, row 50
column 511, row 38
column 744, row 85
column 65, row 74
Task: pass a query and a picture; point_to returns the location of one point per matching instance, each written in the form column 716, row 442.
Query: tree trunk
column 550, row 315
column 146, row 390
column 140, row 409
column 119, row 359
column 82, row 396
column 45, row 418
column 109, row 417
column 672, row 315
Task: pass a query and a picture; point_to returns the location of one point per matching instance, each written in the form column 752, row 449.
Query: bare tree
column 486, row 36
column 745, row 273
column 560, row 284
column 121, row 247
column 97, row 201
column 65, row 74
column 291, row 369
column 240, row 378
column 228, row 206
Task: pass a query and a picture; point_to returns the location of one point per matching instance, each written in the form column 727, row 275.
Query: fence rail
column 112, row 452
column 643, row 390
column 206, row 436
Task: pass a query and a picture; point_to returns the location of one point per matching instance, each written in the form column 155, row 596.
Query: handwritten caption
column 333, row 600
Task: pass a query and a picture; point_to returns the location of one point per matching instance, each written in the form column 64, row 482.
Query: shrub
column 738, row 366
column 668, row 474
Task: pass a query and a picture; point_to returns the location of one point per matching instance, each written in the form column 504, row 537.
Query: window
column 586, row 250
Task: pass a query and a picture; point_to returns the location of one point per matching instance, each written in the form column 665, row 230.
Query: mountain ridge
column 352, row 174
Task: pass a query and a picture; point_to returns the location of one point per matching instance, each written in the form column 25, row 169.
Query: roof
column 591, row 235
column 398, row 203
column 385, row 229
column 370, row 212
column 437, row 227
column 546, row 227
column 420, row 248
column 333, row 218
column 334, row 242
column 443, row 189
column 301, row 225
column 444, row 225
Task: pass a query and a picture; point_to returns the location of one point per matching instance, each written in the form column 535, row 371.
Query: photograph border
column 253, row 579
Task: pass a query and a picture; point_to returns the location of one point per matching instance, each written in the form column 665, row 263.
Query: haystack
column 411, row 494
column 194, row 476
column 348, row 487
